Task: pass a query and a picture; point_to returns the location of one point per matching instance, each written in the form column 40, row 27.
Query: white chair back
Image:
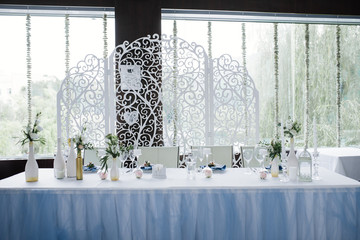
column 168, row 156
column 222, row 155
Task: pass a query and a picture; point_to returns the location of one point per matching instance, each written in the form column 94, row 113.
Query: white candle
column 283, row 154
column 315, row 136
column 293, row 173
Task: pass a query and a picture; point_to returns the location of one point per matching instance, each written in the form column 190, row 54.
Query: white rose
column 138, row 173
column 34, row 136
column 208, row 172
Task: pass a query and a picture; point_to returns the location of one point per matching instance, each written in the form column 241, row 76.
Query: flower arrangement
column 291, row 128
column 31, row 133
column 274, row 148
column 113, row 149
column 80, row 141
column 147, row 164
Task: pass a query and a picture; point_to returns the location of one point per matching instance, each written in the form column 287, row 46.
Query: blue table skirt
column 181, row 214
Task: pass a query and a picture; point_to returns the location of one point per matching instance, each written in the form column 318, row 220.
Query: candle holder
column 316, row 175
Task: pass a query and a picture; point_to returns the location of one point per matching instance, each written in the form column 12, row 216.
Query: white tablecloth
column 345, row 161
column 230, row 205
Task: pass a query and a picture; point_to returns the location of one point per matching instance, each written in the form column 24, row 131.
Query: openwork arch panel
column 206, row 101
column 235, row 103
column 184, row 77
column 137, row 74
column 81, row 101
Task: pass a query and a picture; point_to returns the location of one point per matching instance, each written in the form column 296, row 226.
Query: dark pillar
column 136, row 18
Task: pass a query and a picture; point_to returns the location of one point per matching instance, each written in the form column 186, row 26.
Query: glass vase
column 79, row 166
column 275, row 167
column 114, row 172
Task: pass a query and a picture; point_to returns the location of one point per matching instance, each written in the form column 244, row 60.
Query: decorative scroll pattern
column 235, row 99
column 207, row 105
column 145, row 100
column 213, row 105
column 191, row 65
column 85, row 105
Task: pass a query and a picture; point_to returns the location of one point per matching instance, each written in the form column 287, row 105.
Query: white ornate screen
column 81, row 101
column 154, row 92
column 235, row 104
column 136, row 69
column 184, row 93
column 206, row 102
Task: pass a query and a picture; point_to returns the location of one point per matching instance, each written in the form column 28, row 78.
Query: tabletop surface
column 233, row 178
column 340, row 152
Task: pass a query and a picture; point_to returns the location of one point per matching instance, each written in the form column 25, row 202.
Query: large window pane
column 48, row 71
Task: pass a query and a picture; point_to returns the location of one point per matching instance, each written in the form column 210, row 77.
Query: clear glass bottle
column 305, row 166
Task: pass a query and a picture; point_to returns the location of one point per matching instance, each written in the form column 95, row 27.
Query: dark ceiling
column 344, row 7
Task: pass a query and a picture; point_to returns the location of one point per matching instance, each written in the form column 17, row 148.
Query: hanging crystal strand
column 174, row 86
column 105, row 37
column 209, row 40
column 210, row 88
column 243, row 33
column 338, row 83
column 67, row 61
column 276, row 66
column 28, row 64
column 307, row 81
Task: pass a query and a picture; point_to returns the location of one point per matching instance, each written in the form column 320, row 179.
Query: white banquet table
column 345, row 160
column 230, row 205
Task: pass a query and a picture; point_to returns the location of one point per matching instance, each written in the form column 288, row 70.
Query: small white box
column 159, row 171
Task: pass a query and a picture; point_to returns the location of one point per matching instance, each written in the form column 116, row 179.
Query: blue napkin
column 90, row 170
column 269, row 168
column 146, row 168
column 216, row 167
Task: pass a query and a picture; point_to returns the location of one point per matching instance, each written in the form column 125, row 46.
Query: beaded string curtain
column 28, row 64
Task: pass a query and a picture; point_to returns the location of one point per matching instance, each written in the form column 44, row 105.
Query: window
column 48, row 65
column 226, row 33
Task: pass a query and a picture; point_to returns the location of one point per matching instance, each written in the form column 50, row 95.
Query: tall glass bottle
column 59, row 163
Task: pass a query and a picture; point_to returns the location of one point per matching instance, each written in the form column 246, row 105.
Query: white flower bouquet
column 80, row 141
column 31, row 132
column 291, row 128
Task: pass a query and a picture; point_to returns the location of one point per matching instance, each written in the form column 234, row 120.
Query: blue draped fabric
column 230, row 213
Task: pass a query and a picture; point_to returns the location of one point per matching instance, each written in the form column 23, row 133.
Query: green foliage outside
column 14, row 117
